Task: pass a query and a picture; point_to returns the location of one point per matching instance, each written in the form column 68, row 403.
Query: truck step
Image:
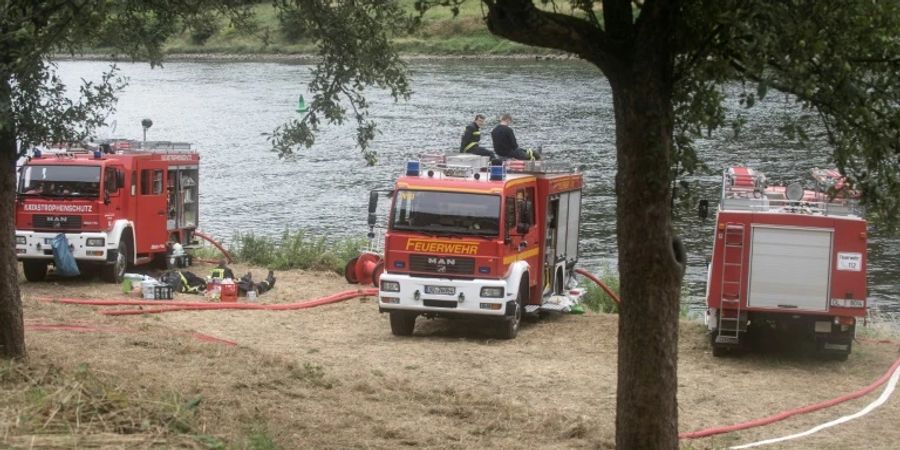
column 553, row 307
column 532, row 309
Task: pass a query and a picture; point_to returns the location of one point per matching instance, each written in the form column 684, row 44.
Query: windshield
column 433, row 212
column 60, row 181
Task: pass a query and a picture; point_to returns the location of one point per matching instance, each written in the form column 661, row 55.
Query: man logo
column 440, row 264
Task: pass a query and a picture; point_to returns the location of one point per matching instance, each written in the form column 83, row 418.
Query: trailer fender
column 120, row 228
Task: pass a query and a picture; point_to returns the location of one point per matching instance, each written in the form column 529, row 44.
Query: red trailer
column 788, row 259
column 121, row 204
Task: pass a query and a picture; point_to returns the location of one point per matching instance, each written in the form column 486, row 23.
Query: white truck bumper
column 36, row 245
column 419, row 295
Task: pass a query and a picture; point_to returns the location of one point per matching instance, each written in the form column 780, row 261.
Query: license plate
column 440, row 290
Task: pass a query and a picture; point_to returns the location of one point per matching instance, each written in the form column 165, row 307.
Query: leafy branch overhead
column 354, row 51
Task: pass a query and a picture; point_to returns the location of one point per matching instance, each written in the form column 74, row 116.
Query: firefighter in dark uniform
column 472, row 138
column 505, row 142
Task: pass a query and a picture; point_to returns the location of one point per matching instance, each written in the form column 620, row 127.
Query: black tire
column 509, row 328
column 35, row 270
column 115, row 272
column 402, row 323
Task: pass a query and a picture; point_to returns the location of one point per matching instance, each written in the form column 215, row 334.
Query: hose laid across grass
column 202, row 306
column 793, row 412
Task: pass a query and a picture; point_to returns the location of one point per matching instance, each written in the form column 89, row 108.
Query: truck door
column 524, row 236
column 150, row 223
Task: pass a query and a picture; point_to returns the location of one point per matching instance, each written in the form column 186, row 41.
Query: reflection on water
column 226, row 110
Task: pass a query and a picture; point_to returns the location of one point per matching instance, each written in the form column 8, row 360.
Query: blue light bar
column 399, row 264
column 37, row 153
column 498, row 173
column 412, row 168
column 97, row 154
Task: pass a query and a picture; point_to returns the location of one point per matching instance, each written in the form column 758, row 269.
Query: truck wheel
column 115, row 272
column 509, row 328
column 34, row 270
column 402, row 323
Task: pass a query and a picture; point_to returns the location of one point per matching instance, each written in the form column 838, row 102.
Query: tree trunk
column 650, row 275
column 12, row 331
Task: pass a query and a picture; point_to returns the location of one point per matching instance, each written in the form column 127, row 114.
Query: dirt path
column 335, row 377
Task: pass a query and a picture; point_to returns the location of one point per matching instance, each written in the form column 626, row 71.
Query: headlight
column 20, row 240
column 492, row 292
column 390, row 286
column 95, row 242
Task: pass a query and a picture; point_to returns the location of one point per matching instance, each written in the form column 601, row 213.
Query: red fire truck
column 789, row 259
column 119, row 205
column 466, row 239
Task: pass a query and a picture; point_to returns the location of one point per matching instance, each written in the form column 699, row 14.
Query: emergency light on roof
column 498, row 173
column 412, row 168
column 37, row 153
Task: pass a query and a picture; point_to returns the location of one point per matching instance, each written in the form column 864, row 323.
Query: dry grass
column 335, row 377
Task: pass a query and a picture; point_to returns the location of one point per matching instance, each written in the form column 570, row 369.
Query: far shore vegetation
column 272, row 34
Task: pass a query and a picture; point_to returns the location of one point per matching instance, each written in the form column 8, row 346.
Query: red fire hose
column 202, row 306
column 793, row 412
column 600, row 283
column 212, row 241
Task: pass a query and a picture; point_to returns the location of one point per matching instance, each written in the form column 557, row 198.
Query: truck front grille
column 440, row 303
column 442, row 264
column 56, row 222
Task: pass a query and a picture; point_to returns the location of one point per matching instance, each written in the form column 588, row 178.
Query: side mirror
column 373, row 205
column 703, row 210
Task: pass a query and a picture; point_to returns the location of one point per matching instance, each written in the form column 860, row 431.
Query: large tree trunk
column 650, row 274
column 12, row 334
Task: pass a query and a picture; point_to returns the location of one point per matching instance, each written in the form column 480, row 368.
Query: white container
column 147, row 289
column 251, row 296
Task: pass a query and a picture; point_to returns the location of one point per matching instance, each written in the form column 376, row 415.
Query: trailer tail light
column 846, row 321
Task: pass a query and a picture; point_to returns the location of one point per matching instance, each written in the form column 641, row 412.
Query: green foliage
column 295, row 250
column 596, row 299
column 202, row 27
column 837, row 60
column 355, row 50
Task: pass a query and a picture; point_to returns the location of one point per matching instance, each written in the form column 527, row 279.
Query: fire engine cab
column 467, row 239
column 119, row 205
column 789, row 259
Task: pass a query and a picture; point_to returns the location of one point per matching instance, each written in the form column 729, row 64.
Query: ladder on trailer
column 731, row 286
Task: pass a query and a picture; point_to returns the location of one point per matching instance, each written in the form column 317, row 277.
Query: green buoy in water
column 301, row 106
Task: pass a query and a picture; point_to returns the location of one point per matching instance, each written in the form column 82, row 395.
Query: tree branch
column 520, row 21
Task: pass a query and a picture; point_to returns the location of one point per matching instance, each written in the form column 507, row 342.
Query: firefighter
column 505, row 142
column 246, row 284
column 471, row 139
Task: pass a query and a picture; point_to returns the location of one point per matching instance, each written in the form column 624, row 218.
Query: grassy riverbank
column 440, row 34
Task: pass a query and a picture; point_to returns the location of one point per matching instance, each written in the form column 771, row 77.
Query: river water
column 226, row 109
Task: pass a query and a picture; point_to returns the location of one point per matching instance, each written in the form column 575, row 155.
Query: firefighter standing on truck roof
column 471, row 139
